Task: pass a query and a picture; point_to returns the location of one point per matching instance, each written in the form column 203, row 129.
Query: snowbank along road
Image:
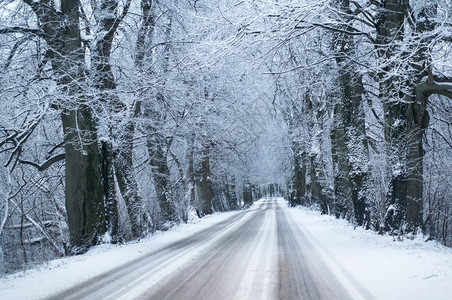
column 260, row 253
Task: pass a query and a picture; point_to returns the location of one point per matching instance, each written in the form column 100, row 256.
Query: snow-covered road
column 256, row 254
column 269, row 251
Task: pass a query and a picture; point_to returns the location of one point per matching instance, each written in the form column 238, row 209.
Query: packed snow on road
column 363, row 264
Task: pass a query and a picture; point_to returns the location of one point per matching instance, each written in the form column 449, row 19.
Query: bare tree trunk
column 316, row 168
column 204, row 182
column 117, row 161
column 417, row 123
column 406, row 113
column 104, row 81
column 191, row 174
column 247, row 193
column 111, row 205
column 349, row 138
column 342, row 185
column 354, row 141
column 139, row 217
column 157, row 143
column 299, row 176
column 83, row 184
column 231, row 193
column 161, row 174
column 390, row 28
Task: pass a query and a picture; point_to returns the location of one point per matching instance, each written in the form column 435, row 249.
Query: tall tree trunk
column 349, row 138
column 390, row 29
column 157, row 143
column 247, row 193
column 316, row 167
column 204, row 182
column 104, row 82
column 299, row 176
column 231, row 193
column 117, row 160
column 316, row 188
column 191, row 175
column 417, row 123
column 342, row 185
column 83, row 183
column 357, row 153
column 418, row 119
column 161, row 174
column 108, row 176
column 139, row 217
column 406, row 113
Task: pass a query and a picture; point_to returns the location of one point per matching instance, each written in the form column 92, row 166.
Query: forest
column 124, row 117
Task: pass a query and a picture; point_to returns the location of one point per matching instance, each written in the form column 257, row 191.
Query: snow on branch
column 430, row 88
column 20, row 29
column 46, row 164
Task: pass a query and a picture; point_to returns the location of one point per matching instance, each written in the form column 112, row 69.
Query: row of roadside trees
column 120, row 118
column 361, row 85
column 115, row 124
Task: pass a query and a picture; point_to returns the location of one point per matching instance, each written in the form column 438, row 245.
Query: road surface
column 260, row 253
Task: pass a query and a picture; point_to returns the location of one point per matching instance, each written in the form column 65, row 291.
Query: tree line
column 120, row 118
column 365, row 88
column 114, row 125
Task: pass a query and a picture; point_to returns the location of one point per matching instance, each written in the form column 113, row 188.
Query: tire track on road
column 221, row 271
column 107, row 283
column 302, row 273
column 260, row 253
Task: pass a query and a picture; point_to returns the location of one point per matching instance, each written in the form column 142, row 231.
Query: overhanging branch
column 430, row 88
column 46, row 164
column 352, row 31
column 19, row 29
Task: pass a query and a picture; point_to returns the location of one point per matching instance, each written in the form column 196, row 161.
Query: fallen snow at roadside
column 387, row 269
column 367, row 264
column 64, row 273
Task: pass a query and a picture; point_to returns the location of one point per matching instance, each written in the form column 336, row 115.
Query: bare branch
column 118, row 20
column 430, row 88
column 352, row 31
column 20, row 29
column 56, row 147
column 46, row 164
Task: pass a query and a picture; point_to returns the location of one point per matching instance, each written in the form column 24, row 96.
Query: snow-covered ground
column 64, row 273
column 367, row 264
column 387, row 269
